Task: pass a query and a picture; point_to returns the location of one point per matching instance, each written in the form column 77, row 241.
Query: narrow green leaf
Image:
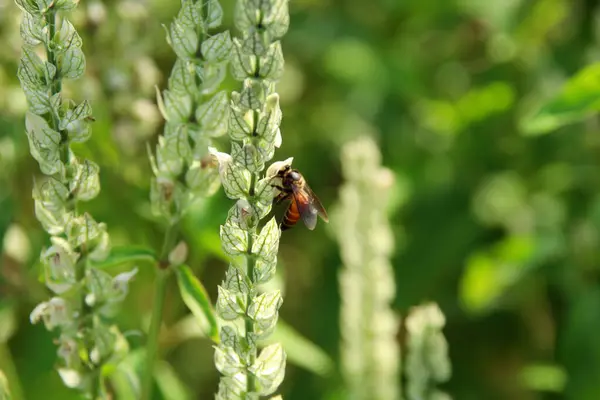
column 195, row 297
column 122, row 255
column 125, row 382
column 579, row 98
column 169, row 383
column 301, row 351
column 4, row 392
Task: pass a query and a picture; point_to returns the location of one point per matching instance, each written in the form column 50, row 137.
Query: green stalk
column 250, row 384
column 7, row 365
column 50, row 17
column 160, row 291
column 56, row 85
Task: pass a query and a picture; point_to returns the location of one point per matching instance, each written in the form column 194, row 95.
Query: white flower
column 53, row 312
column 223, row 159
column 278, row 166
column 121, row 284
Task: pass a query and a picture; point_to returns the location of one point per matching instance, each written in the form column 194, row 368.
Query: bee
column 304, row 203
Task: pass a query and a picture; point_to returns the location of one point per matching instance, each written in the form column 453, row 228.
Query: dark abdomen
column 292, row 215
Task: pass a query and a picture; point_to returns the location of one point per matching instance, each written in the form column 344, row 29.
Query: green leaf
column 217, row 48
column 85, row 184
column 212, row 75
column 255, row 43
column 44, row 143
column 4, row 392
column 183, row 39
column 34, row 75
column 173, row 150
column 214, row 13
column 76, row 122
column 182, row 80
column 65, row 5
column 227, row 361
column 169, row 383
column 270, row 119
column 125, row 382
column 83, row 229
column 177, row 107
column 71, row 64
column 213, row 115
column 235, row 180
column 242, row 65
column 300, row 350
column 271, row 64
column 44, row 5
column 264, row 311
column 239, row 127
column 67, row 37
column 269, row 368
column 8, row 322
column 31, row 29
column 195, row 297
column 28, row 6
column 230, row 306
column 125, row 254
column 578, row 99
column 50, row 197
column 251, row 95
column 277, row 19
column 248, row 156
column 189, row 15
column 266, row 244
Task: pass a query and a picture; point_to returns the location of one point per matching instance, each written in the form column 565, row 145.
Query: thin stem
column 50, row 17
column 10, row 370
column 249, row 324
column 160, row 291
column 95, row 392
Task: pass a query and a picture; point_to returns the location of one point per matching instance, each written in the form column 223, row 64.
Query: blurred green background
column 502, row 229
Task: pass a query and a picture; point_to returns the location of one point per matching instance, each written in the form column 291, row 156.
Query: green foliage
column 4, row 392
column 498, row 226
column 195, row 297
column 578, row 99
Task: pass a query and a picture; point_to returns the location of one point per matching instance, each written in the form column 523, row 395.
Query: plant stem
column 249, row 324
column 10, row 370
column 51, row 21
column 95, row 392
column 160, row 291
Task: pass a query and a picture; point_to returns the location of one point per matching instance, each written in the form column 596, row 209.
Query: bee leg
column 281, row 197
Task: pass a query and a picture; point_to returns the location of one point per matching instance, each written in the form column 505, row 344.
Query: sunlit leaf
column 195, row 297
column 126, row 254
column 578, row 99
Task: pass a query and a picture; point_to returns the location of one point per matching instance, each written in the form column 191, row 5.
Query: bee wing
column 305, row 207
column 309, row 206
column 316, row 203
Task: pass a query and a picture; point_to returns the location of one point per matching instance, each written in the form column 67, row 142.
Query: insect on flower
column 304, row 203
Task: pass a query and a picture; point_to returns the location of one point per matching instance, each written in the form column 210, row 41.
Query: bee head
column 294, row 175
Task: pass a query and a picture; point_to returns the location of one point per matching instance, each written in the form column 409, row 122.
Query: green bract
column 253, row 127
column 87, row 343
